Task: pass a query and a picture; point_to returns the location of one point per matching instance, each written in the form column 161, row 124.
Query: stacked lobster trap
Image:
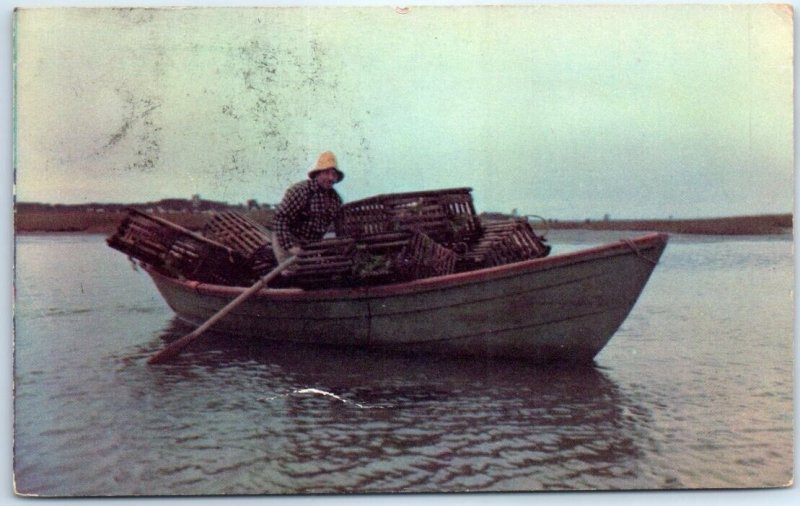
column 244, row 235
column 502, row 243
column 446, row 216
column 383, row 239
column 178, row 251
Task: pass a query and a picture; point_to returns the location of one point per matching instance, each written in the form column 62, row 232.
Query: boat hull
column 558, row 308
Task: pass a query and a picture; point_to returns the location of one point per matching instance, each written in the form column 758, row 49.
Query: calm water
column 694, row 391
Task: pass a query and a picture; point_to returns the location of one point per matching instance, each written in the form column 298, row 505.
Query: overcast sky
column 565, row 112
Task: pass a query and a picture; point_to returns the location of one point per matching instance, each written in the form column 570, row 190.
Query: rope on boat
column 633, row 246
column 542, row 219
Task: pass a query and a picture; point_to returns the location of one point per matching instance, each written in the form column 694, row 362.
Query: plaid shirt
column 305, row 213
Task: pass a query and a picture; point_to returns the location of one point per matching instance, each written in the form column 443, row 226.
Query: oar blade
column 173, row 349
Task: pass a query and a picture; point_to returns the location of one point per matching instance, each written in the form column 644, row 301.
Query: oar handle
column 175, row 347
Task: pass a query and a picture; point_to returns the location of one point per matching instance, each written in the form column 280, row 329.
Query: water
column 694, row 391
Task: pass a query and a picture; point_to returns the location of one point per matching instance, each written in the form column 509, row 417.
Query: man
column 308, row 208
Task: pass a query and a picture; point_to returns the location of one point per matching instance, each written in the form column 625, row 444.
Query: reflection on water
column 348, row 420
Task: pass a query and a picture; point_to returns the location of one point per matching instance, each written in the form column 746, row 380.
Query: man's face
column 327, row 178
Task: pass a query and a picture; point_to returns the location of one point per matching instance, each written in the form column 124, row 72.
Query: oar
column 174, row 348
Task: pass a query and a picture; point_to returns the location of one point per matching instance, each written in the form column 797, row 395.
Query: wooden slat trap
column 326, row 263
column 401, row 256
column 446, row 216
column 244, row 235
column 385, row 239
column 177, row 251
column 502, row 243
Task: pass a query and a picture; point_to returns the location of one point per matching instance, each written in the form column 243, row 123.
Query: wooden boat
column 558, row 308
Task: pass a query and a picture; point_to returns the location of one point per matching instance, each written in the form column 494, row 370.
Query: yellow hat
column 326, row 160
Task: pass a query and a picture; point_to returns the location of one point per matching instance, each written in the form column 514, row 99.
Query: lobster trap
column 446, row 216
column 323, row 264
column 176, row 250
column 383, row 258
column 245, row 236
column 503, row 243
column 401, row 256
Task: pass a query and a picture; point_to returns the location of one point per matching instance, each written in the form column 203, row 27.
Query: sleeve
column 293, row 203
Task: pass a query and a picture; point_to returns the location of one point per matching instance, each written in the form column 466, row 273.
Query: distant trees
column 163, row 205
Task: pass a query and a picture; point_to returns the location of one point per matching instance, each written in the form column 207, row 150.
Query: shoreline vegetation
column 104, row 219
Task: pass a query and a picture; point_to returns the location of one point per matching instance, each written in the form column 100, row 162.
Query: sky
column 566, row 112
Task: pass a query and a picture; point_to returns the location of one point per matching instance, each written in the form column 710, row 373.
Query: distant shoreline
column 86, row 222
column 773, row 224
